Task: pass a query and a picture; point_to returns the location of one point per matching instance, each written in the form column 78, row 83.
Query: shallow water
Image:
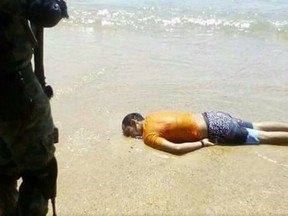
column 233, row 49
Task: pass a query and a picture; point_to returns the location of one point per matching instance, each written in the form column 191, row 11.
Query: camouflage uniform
column 26, row 125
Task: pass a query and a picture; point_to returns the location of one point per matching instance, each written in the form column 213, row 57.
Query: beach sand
column 100, row 77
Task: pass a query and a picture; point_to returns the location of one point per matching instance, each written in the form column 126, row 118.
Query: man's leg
column 271, row 126
column 8, row 195
column 273, row 137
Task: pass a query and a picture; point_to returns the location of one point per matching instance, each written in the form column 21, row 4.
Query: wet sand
column 103, row 173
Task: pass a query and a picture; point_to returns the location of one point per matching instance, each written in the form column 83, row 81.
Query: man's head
column 132, row 125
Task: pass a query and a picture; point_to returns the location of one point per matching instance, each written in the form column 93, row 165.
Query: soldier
column 26, row 125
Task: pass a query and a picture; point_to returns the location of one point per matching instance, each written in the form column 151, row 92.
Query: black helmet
column 47, row 13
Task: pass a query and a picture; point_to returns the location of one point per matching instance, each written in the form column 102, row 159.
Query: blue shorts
column 223, row 128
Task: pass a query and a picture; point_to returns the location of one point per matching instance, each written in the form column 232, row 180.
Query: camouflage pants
column 8, row 195
column 29, row 138
column 28, row 202
column 27, row 143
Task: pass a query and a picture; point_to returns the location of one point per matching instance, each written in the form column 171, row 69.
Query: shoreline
column 98, row 77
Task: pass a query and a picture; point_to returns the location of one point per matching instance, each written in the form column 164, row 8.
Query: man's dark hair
column 131, row 116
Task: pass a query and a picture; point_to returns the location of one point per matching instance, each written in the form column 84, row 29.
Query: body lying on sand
column 182, row 132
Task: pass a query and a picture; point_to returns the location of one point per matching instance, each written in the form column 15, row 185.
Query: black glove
column 46, row 13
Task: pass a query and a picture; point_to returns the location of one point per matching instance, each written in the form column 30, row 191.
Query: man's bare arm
column 182, row 148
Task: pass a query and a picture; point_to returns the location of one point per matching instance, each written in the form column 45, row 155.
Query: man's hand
column 46, row 13
column 208, row 143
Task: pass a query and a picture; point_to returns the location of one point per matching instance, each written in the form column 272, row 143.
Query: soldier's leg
column 37, row 188
column 8, row 195
column 31, row 200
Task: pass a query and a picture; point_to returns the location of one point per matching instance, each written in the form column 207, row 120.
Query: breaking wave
column 178, row 20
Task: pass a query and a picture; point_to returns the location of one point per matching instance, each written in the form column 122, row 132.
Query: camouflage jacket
column 25, row 143
column 16, row 38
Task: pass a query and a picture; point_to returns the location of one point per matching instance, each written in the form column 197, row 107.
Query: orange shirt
column 176, row 127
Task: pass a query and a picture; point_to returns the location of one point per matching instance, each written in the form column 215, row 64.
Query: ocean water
column 205, row 54
column 257, row 17
column 211, row 53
